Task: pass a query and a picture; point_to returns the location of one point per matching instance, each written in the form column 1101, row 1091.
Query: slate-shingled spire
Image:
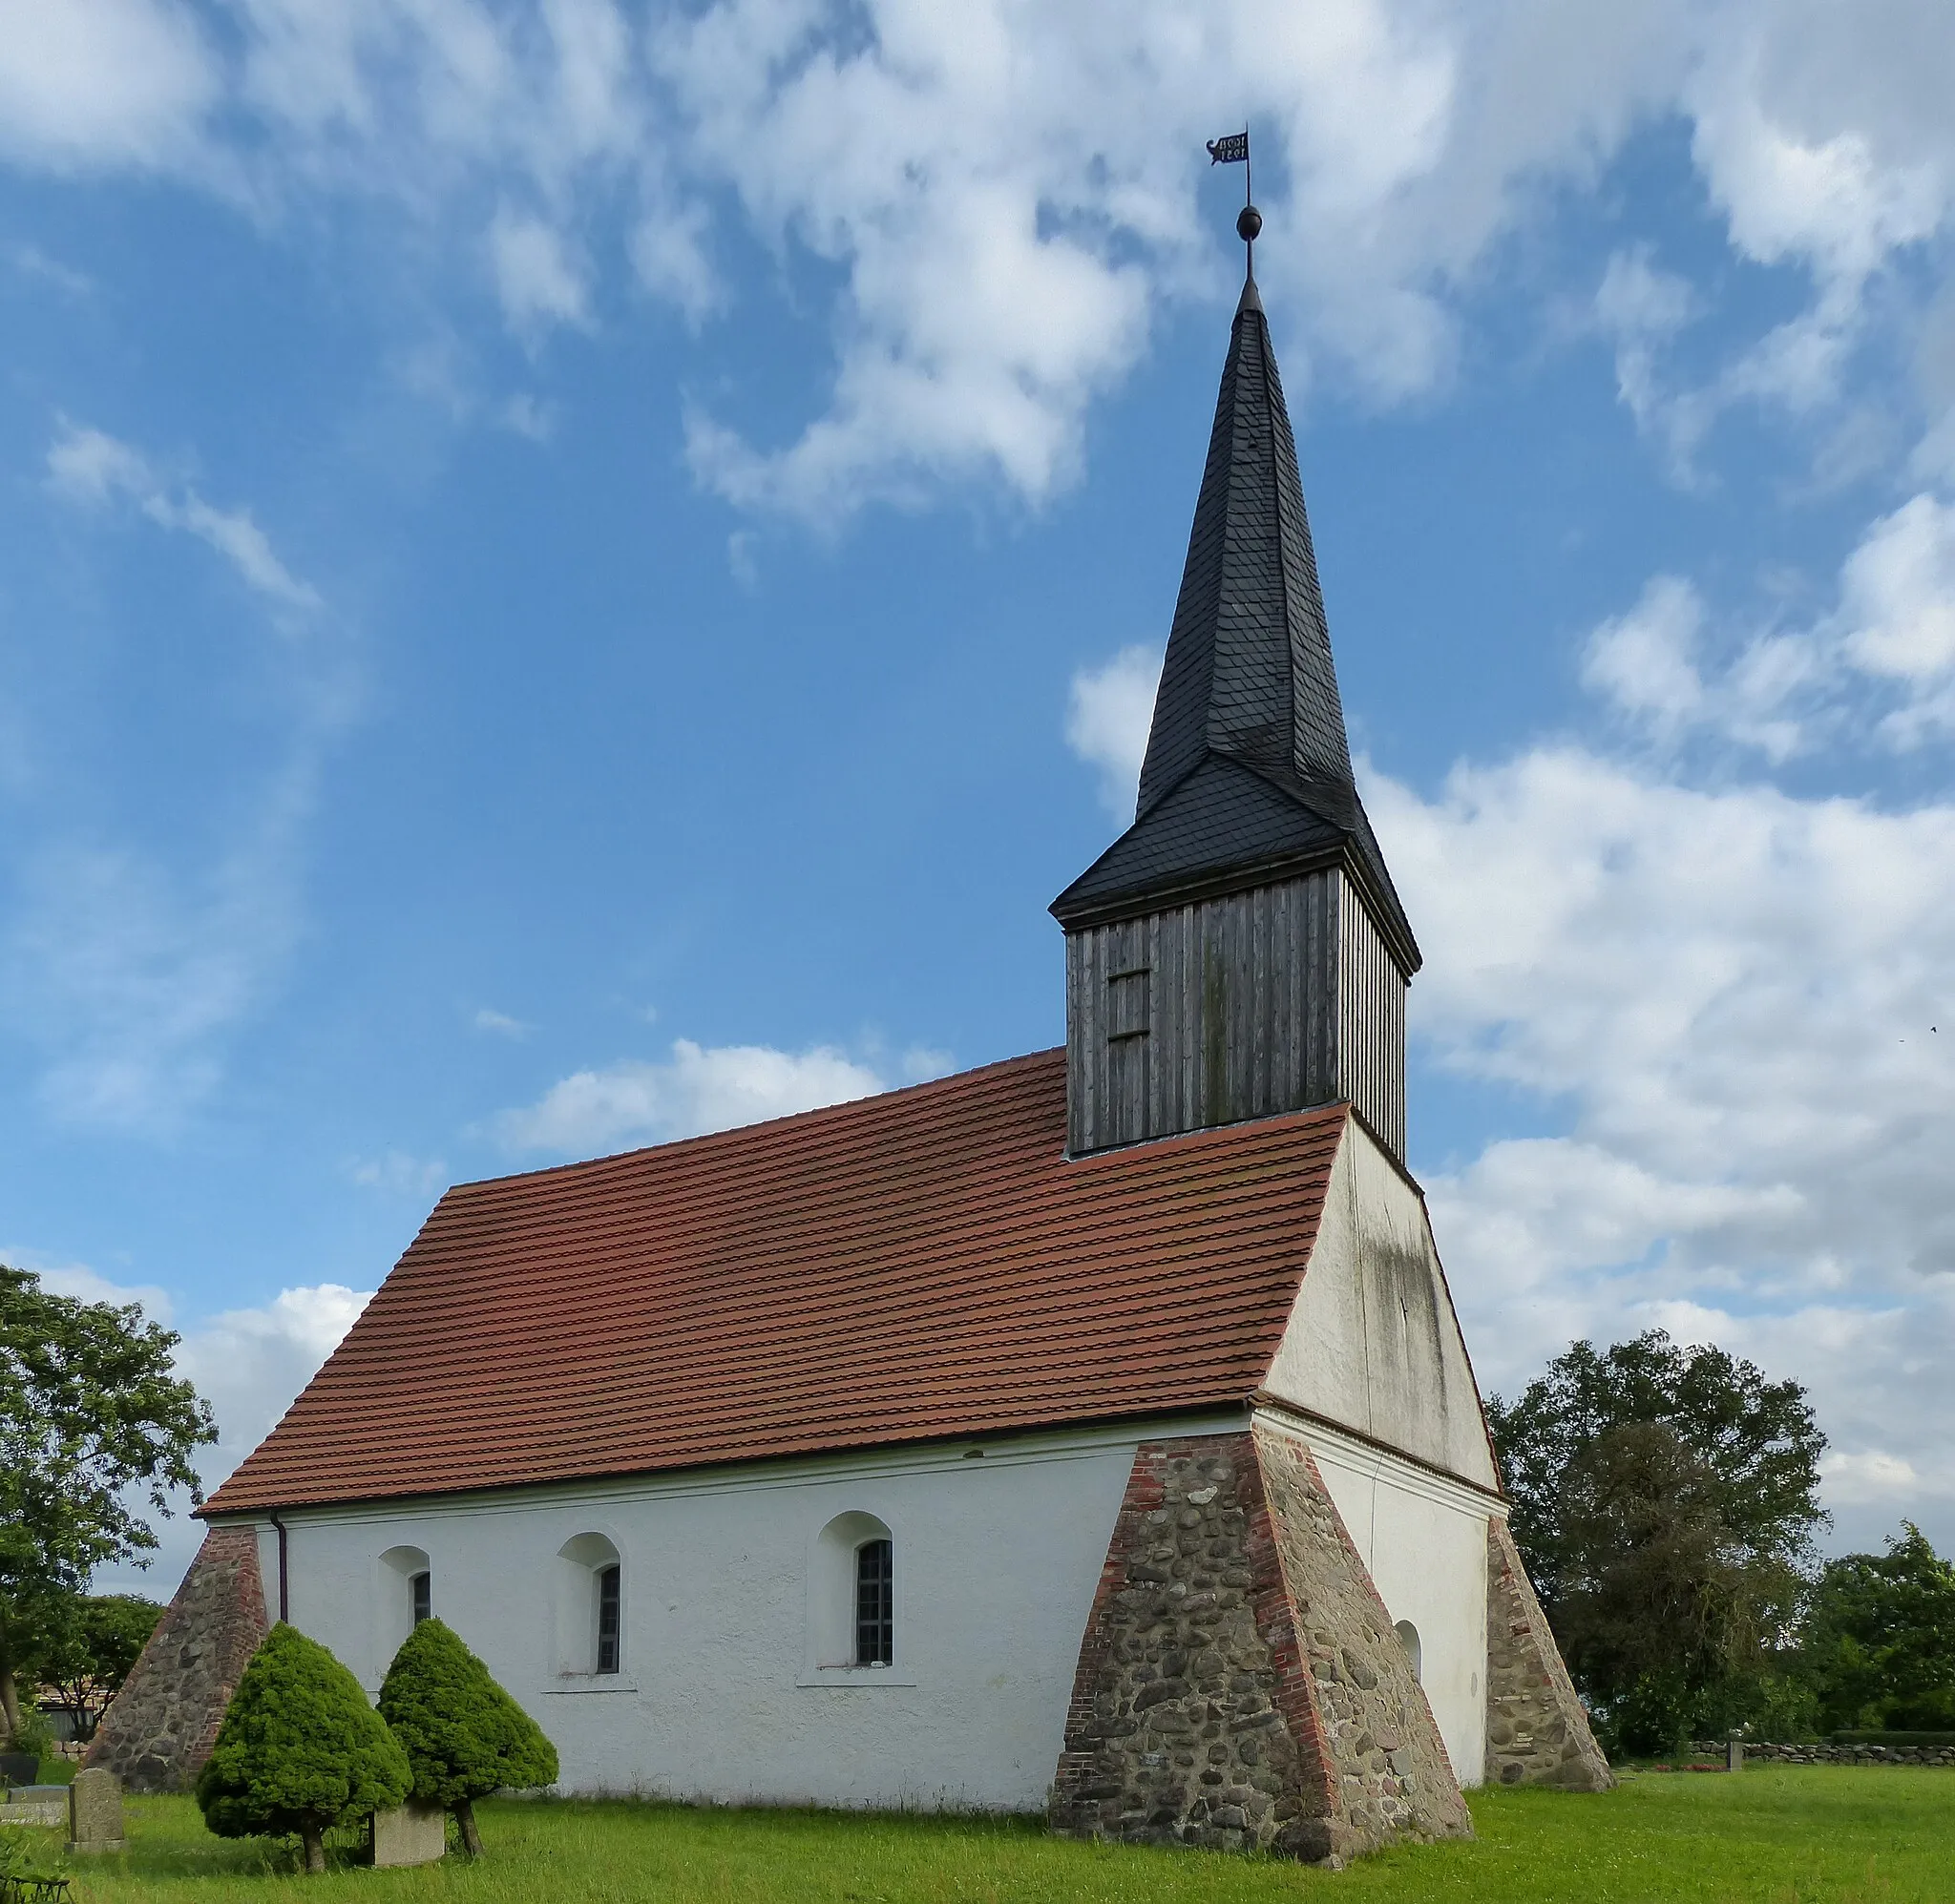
column 1247, row 793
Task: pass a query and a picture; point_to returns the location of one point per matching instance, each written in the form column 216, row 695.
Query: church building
column 1090, row 1432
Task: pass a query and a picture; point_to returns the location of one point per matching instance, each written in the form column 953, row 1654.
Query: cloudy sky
column 572, row 573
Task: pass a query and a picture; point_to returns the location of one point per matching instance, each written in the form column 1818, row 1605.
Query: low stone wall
column 1239, row 1683
column 159, row 1728
column 1765, row 1753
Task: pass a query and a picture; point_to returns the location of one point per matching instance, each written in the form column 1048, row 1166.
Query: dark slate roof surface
column 1249, row 679
column 1221, row 819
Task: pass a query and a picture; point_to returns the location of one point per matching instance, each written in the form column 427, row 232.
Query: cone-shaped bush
column 465, row 1737
column 300, row 1750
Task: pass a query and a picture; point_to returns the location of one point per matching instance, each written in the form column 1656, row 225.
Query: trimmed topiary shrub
column 465, row 1737
column 300, row 1750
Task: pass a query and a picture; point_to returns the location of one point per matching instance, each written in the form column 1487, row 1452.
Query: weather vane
column 1234, row 150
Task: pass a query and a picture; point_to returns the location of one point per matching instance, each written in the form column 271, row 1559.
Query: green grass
column 1779, row 1835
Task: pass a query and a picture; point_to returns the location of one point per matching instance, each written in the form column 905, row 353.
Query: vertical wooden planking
column 1370, row 1011
column 1257, row 1002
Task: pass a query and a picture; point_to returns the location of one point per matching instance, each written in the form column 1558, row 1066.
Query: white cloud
column 249, row 1363
column 999, row 193
column 88, row 466
column 539, row 281
column 1646, row 660
column 127, row 975
column 92, row 84
column 1885, row 648
column 89, row 1286
column 1898, row 607
column 401, row 1175
column 501, row 1024
column 700, row 1088
column 1735, row 1004
column 126, row 968
column 1641, row 309
column 1108, row 712
column 526, row 415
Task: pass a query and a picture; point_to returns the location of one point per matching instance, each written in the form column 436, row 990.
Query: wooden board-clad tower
column 1240, row 951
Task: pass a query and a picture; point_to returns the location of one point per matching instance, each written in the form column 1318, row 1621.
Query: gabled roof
column 1248, row 741
column 909, row 1267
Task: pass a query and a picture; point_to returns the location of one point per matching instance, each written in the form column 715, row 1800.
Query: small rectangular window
column 422, row 1587
column 1129, row 1005
column 876, row 1621
column 607, row 1620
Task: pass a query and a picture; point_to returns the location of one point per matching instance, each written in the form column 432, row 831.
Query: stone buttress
column 159, row 1728
column 1537, row 1729
column 1239, row 1686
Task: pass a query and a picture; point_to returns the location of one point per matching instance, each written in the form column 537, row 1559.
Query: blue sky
column 574, row 573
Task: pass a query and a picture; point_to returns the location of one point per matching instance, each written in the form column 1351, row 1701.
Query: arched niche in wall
column 853, row 1610
column 1408, row 1637
column 590, row 1637
column 404, row 1583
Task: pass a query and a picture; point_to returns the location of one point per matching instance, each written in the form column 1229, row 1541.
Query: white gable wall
column 1373, row 1345
column 728, row 1611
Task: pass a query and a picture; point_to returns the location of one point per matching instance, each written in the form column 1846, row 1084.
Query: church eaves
column 1247, row 772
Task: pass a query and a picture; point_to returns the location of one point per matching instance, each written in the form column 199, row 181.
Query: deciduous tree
column 1879, row 1639
column 105, row 1635
column 95, row 1427
column 1665, row 1501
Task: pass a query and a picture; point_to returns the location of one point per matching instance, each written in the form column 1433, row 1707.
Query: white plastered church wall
column 1372, row 1345
column 724, row 1690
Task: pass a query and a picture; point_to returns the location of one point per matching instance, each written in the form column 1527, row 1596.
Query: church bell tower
column 1240, row 951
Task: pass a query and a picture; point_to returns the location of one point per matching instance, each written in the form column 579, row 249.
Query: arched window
column 875, row 1608
column 851, row 1597
column 405, row 1582
column 1408, row 1637
column 590, row 1608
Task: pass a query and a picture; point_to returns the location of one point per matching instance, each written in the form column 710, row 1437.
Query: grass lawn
column 1781, row 1835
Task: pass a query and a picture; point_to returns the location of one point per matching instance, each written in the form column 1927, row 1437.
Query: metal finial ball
column 1249, row 224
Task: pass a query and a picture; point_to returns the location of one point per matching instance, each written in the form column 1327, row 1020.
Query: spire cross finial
column 1234, row 150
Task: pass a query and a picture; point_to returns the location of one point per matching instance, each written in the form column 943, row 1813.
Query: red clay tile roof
column 912, row 1266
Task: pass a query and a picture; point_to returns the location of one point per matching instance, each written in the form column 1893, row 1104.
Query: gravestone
column 410, row 1834
column 34, row 1804
column 94, row 1812
column 1735, row 1755
column 19, row 1767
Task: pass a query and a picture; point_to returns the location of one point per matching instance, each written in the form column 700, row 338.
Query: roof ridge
column 701, row 1137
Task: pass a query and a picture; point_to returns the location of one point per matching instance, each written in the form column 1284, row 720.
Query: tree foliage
column 1879, row 1638
column 300, row 1750
column 1665, row 1501
column 102, row 1639
column 464, row 1735
column 94, row 1427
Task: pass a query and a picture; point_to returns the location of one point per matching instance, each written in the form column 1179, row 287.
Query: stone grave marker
column 35, row 1805
column 410, row 1834
column 94, row 1812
